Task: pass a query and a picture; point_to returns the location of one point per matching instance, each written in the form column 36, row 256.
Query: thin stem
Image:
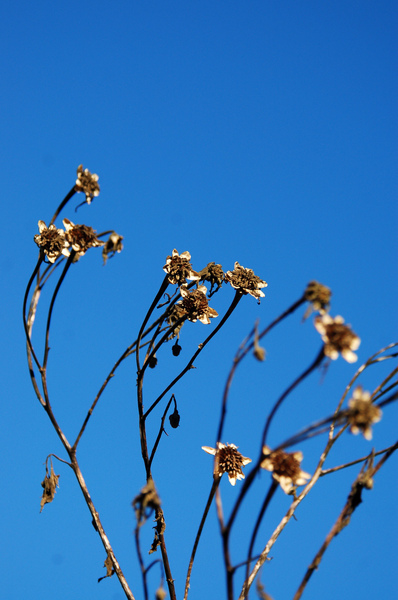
column 99, row 527
column 160, row 293
column 68, row 196
column 141, row 561
column 166, row 564
column 358, row 460
column 216, row 482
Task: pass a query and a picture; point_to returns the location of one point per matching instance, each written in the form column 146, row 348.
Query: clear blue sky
column 263, row 132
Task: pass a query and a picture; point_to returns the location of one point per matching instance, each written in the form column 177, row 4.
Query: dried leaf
column 159, row 530
column 49, row 485
column 109, row 568
column 147, row 500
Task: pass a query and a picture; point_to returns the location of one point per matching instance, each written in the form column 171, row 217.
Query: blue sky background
column 263, row 132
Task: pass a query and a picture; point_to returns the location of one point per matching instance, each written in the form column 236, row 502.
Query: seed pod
column 153, row 361
column 176, row 349
column 174, row 419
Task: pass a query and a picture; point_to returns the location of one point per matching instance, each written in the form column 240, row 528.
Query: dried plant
column 183, row 296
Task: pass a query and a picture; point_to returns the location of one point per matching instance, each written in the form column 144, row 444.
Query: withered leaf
column 159, row 530
column 109, row 568
column 260, row 589
column 49, row 485
column 146, row 502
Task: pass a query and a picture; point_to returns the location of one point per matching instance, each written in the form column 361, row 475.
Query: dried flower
column 176, row 313
column 179, row 268
column 196, row 305
column 362, row 413
column 213, row 274
column 338, row 338
column 52, row 241
column 112, row 245
column 318, row 295
column 88, row 183
column 228, row 460
column 285, row 468
column 245, row 281
column 80, row 237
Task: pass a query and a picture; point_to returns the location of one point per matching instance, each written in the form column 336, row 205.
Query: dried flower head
column 318, row 295
column 112, row 245
column 213, row 274
column 285, row 468
column 179, row 268
column 245, row 281
column 176, row 313
column 88, row 183
column 228, row 460
column 362, row 413
column 337, row 337
column 80, row 237
column 52, row 241
column 195, row 304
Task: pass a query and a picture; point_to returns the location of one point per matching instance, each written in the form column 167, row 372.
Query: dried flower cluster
column 245, row 281
column 228, row 460
column 196, row 306
column 88, row 183
column 337, row 337
column 285, row 468
column 179, row 268
column 362, row 413
column 55, row 242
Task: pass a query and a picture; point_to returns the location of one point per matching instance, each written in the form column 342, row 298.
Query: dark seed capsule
column 174, row 419
column 176, row 349
column 153, row 361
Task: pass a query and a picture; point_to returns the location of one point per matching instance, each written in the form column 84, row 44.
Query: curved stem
column 68, row 196
column 291, row 387
column 50, row 310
